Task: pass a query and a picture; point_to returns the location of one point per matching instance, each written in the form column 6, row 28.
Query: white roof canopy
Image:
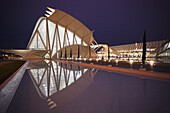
column 59, row 17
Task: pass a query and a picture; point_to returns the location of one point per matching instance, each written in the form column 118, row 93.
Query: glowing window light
column 151, row 63
column 131, row 61
column 117, row 60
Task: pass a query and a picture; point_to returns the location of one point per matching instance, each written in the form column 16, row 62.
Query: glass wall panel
column 57, row 41
column 43, row 85
column 54, row 47
column 78, row 39
column 168, row 45
column 78, row 75
column 66, row 41
column 84, row 44
column 61, row 33
column 42, row 30
column 35, row 75
column 53, row 88
column 51, row 28
column 40, row 44
column 70, row 36
column 71, row 77
column 33, row 44
column 62, row 80
column 47, row 56
column 75, row 41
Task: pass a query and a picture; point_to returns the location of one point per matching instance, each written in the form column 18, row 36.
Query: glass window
column 34, row 42
column 78, row 39
column 54, row 48
column 51, row 29
column 42, row 30
column 66, row 40
column 40, row 44
column 61, row 33
column 70, row 36
column 62, row 80
column 84, row 44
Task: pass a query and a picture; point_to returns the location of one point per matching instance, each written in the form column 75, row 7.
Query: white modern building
column 59, row 35
column 63, row 36
column 134, row 51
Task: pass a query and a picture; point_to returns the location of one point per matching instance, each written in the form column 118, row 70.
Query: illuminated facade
column 63, row 36
column 134, row 51
column 60, row 34
column 163, row 52
column 102, row 51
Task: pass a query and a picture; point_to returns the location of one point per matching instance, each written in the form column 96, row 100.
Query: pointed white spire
column 48, row 12
column 46, row 15
column 51, row 9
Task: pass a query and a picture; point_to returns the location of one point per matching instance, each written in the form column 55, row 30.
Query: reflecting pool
column 55, row 87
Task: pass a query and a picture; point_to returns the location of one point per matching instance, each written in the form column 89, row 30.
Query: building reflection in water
column 58, row 82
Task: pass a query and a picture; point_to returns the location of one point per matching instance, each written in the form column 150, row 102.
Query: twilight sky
column 115, row 21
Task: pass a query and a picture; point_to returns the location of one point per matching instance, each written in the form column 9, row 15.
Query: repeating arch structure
column 59, row 80
column 59, row 30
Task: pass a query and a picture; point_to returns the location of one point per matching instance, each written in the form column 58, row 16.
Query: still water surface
column 53, row 87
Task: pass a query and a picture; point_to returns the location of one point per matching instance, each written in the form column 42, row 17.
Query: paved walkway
column 124, row 70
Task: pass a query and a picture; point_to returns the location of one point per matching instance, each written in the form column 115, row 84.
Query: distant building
column 59, row 35
column 163, row 52
column 134, row 51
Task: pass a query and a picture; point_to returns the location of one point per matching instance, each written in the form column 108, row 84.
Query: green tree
column 144, row 48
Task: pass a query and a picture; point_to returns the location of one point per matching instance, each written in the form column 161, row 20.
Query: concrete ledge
column 7, row 80
column 9, row 87
column 124, row 70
